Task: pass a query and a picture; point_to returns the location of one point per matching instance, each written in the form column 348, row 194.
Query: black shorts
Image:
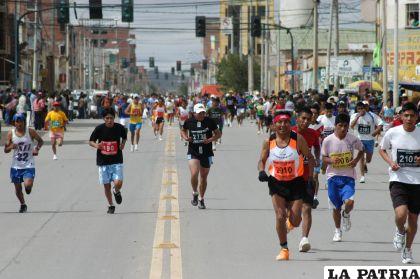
column 160, row 120
column 205, row 162
column 309, row 193
column 290, row 190
column 405, row 194
column 268, row 120
column 232, row 111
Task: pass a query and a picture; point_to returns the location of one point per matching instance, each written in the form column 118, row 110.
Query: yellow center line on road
column 169, row 218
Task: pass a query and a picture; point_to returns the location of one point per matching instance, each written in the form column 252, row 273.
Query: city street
column 157, row 233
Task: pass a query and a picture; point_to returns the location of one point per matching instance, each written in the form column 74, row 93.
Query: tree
column 183, row 89
column 232, row 73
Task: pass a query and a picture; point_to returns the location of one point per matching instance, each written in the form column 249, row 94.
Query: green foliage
column 232, row 73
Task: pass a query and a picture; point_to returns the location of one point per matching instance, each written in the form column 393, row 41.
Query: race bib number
column 198, row 138
column 55, row 124
column 284, row 170
column 364, row 129
column 136, row 112
column 407, row 158
column 344, row 159
column 109, row 147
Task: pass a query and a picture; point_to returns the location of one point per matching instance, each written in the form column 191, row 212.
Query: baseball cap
column 56, row 104
column 199, row 108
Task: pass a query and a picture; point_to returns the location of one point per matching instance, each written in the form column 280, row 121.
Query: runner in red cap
column 56, row 120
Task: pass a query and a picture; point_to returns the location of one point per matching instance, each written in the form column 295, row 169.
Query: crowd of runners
column 304, row 136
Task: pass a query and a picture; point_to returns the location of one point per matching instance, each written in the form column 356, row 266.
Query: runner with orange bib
column 284, row 154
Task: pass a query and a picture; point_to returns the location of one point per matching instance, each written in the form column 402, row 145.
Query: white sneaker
column 337, row 235
column 304, row 245
column 160, row 138
column 136, row 147
column 55, row 157
column 132, row 149
column 345, row 224
column 406, row 256
column 399, row 241
column 362, row 179
column 259, row 132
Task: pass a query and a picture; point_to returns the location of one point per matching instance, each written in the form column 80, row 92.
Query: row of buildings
column 88, row 54
column 230, row 34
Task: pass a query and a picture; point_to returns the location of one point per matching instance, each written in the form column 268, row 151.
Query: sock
column 345, row 214
column 200, row 198
column 284, row 245
column 337, row 230
column 315, row 197
column 195, row 193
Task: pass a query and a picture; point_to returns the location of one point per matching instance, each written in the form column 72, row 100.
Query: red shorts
column 56, row 135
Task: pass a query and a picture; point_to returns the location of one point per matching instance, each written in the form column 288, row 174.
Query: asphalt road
column 156, row 233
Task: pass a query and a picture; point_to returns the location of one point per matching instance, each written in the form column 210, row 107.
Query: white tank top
column 22, row 156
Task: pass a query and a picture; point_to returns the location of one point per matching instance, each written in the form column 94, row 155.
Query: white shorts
column 125, row 122
column 241, row 111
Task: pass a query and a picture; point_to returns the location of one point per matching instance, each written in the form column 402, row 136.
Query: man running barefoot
column 109, row 139
column 56, row 120
column 404, row 177
column 283, row 153
column 20, row 140
column 338, row 155
column 200, row 131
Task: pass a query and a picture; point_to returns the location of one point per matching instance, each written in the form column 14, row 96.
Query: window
column 261, row 11
column 258, row 49
column 412, row 12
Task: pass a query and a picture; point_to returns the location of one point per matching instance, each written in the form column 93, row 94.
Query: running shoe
column 289, row 225
column 337, row 235
column 185, row 143
column 23, row 208
column 346, row 223
column 258, row 132
column 55, row 157
column 111, row 209
column 283, row 255
column 362, row 179
column 118, row 197
column 194, row 201
column 315, row 203
column 214, row 147
column 132, row 149
column 406, row 256
column 136, row 147
column 304, row 245
column 399, row 240
column 201, row 204
column 160, row 138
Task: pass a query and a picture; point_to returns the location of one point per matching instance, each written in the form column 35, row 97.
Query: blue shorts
column 19, row 175
column 134, row 127
column 369, row 146
column 340, row 189
column 110, row 173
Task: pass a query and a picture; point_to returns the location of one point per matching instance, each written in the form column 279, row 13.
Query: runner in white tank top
column 20, row 140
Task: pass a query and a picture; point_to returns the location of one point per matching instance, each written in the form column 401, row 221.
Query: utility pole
column 262, row 67
column 53, row 48
column 396, row 99
column 35, row 58
column 327, row 74
column 384, row 54
column 336, row 43
column 315, row 52
column 266, row 49
column 16, row 28
column 278, row 59
column 67, row 56
column 250, row 52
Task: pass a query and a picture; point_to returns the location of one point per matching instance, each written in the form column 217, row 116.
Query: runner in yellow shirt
column 135, row 110
column 56, row 120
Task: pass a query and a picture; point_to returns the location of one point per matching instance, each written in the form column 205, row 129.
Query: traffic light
column 95, row 9
column 173, row 71
column 157, row 70
column 178, row 66
column 127, row 10
column 151, row 62
column 63, row 12
column 182, row 76
column 256, row 26
column 200, row 26
column 204, row 64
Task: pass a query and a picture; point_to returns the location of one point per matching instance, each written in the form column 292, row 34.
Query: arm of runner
column 378, row 124
column 34, row 135
column 359, row 156
column 262, row 176
column 354, row 121
column 184, row 135
column 127, row 110
column 9, row 146
column 216, row 135
column 386, row 144
column 304, row 149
